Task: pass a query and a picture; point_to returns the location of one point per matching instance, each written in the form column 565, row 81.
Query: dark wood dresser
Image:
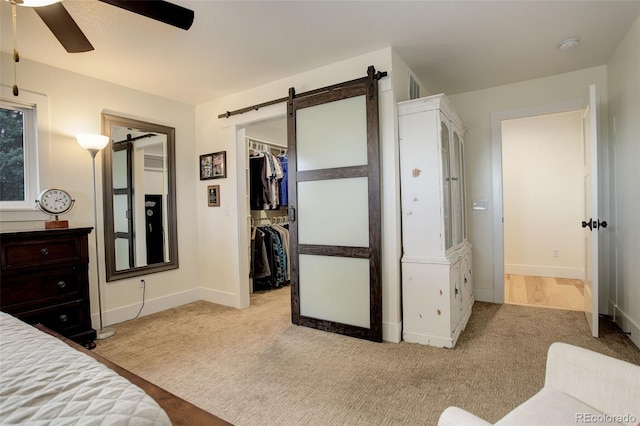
column 44, row 278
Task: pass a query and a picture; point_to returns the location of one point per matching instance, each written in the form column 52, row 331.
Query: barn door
column 123, row 205
column 334, row 208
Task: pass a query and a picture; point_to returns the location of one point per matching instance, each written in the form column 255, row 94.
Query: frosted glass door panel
column 332, row 135
column 120, row 172
column 122, row 254
column 120, row 206
column 334, row 212
column 335, row 289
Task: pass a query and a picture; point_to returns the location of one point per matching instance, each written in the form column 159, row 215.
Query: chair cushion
column 552, row 407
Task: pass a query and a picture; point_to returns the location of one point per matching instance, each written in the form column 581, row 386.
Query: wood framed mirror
column 139, row 193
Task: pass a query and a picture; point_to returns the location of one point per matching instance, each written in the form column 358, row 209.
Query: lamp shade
column 89, row 141
column 37, row 3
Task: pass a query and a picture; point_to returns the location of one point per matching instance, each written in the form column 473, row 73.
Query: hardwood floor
column 558, row 293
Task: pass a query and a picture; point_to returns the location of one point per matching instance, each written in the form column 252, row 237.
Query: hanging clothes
column 270, row 264
column 267, row 177
column 259, row 193
column 284, row 188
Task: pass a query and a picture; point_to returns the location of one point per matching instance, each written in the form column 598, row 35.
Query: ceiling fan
column 62, row 25
column 69, row 34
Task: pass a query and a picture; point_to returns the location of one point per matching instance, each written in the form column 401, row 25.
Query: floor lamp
column 93, row 144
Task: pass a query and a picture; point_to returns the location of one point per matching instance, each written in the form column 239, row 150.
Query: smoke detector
column 569, row 44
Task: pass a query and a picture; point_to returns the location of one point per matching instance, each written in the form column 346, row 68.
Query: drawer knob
column 64, row 318
column 44, row 251
column 62, row 284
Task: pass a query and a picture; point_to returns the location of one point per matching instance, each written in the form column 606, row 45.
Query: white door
column 591, row 223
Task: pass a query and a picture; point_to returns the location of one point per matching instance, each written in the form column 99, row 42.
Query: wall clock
column 55, row 202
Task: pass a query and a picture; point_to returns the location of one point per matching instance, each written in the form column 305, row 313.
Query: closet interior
column 267, row 205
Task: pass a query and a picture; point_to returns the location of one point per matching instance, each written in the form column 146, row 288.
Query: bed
column 47, row 379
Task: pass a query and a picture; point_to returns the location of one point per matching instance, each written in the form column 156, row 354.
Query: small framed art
column 213, row 166
column 213, row 195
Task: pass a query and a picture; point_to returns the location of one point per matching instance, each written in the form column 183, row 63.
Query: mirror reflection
column 139, row 198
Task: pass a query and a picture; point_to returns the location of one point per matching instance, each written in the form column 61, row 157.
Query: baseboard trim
column 545, row 271
column 425, row 339
column 483, row 295
column 627, row 324
column 392, row 332
column 151, row 306
column 220, row 297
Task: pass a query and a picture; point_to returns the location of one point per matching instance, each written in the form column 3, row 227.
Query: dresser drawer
column 39, row 253
column 67, row 318
column 39, row 289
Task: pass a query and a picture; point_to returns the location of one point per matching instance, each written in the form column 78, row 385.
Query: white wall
column 543, row 195
column 75, row 106
column 624, row 132
column 220, row 248
column 476, row 109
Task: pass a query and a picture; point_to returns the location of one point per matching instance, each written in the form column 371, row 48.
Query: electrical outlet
column 141, row 284
column 556, row 253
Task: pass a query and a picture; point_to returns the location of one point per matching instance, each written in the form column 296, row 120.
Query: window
column 24, row 142
column 17, row 137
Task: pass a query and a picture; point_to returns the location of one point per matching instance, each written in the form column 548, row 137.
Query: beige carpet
column 253, row 367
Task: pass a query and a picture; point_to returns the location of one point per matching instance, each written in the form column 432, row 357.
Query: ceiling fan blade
column 159, row 10
column 64, row 28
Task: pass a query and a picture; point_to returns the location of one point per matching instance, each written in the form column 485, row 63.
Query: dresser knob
column 64, row 318
column 44, row 251
column 62, row 284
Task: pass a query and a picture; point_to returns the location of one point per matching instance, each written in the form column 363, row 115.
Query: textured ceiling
column 452, row 46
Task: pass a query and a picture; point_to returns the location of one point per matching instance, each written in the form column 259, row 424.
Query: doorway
column 267, row 220
column 542, row 203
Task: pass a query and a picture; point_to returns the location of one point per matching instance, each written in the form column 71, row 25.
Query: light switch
column 481, row 204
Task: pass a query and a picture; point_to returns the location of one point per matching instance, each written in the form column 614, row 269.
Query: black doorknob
column 589, row 224
column 594, row 224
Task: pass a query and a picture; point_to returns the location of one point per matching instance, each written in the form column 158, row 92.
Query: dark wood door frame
column 367, row 86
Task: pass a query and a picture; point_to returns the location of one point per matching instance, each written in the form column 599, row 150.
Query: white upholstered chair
column 581, row 387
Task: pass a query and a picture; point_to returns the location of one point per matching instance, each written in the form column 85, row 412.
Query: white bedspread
column 44, row 381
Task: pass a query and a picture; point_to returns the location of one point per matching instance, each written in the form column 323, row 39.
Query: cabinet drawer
column 40, row 253
column 66, row 319
column 39, row 289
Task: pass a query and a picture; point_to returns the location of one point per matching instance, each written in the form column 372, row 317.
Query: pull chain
column 16, row 55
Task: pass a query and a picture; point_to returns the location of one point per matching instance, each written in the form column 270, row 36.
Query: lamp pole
column 93, row 144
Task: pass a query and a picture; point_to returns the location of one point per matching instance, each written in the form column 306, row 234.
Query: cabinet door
column 468, row 277
column 445, row 153
column 463, row 192
column 456, row 294
column 456, row 189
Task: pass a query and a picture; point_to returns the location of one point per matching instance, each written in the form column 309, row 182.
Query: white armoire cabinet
column 437, row 288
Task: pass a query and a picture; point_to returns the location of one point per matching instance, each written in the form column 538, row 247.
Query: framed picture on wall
column 213, row 195
column 213, row 166
column 206, row 166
